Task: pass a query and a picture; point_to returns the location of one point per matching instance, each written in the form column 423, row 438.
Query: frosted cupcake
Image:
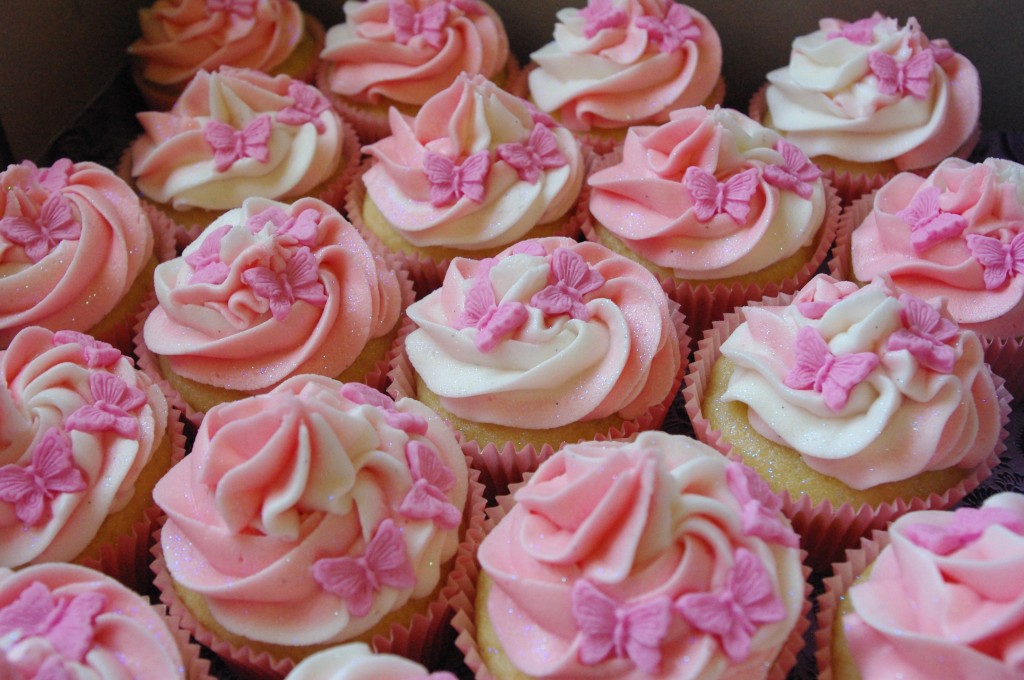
column 355, row 661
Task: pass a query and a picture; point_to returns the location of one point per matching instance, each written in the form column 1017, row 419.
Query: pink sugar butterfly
column 570, row 279
column 632, row 631
column 491, row 320
column 672, row 32
column 999, row 261
column 539, row 153
column 55, row 177
column 941, row 50
column 967, row 527
column 269, row 215
column 734, row 613
column 307, row 105
column 300, row 280
column 230, row 145
column 41, row 234
column 97, row 354
column 760, row 515
column 861, row 32
column 601, row 14
column 928, row 224
column 51, row 472
column 432, row 480
column 114, row 400
column 355, row 579
column 302, row 229
column 68, row 623
column 818, row 369
column 450, row 182
column 913, row 76
column 408, row 23
column 711, row 197
column 207, row 267
column 539, row 117
column 244, row 9
column 359, row 393
column 797, row 173
column 925, row 335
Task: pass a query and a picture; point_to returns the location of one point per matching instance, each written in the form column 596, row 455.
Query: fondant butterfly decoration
column 760, row 507
column 96, row 353
column 796, row 174
column 450, row 182
column 672, row 32
column 834, row 377
column 207, row 266
column 356, row 579
column 861, row 32
column 570, row 279
column 432, row 480
column 269, row 215
column 928, row 224
column 244, row 9
column 408, row 23
column 67, row 623
column 539, row 117
column 601, row 14
column 300, row 280
column 302, row 229
column 40, row 234
column 925, row 335
column 493, row 322
column 114, row 400
column 52, row 471
column 359, row 393
column 307, row 105
column 967, row 527
column 999, row 261
column 913, row 76
column 711, row 197
column 607, row 627
column 55, row 177
column 539, row 153
column 230, row 145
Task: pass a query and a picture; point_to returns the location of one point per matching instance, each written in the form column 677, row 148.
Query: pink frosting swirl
column 73, row 240
column 379, row 53
column 355, row 661
column 652, row 202
column 271, row 290
column 924, row 612
column 180, row 38
column 66, row 621
column 78, row 423
column 618, row 63
column 658, row 520
column 594, row 336
column 921, row 233
column 283, row 490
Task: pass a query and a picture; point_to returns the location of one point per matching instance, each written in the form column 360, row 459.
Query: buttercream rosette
column 356, row 661
column 937, row 595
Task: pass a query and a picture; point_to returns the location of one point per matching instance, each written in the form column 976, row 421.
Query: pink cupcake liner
column 841, row 264
column 825, row 530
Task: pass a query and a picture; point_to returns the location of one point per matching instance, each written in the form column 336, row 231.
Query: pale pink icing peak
column 97, row 354
column 355, row 661
column 861, row 31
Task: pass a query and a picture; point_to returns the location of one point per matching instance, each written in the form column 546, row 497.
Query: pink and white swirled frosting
column 944, row 599
column 871, row 90
column 710, row 194
column 355, row 661
column 180, row 38
column 617, row 63
column 73, row 241
column 845, row 376
column 65, row 622
column 406, row 51
column 270, row 290
column 236, row 133
column 656, row 558
column 958, row 234
column 549, row 332
column 304, row 515
column 476, row 168
column 78, row 423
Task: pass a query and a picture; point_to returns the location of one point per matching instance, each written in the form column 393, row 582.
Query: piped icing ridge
column 181, row 38
column 270, row 290
column 319, row 497
column 547, row 333
column 73, row 240
column 844, row 375
column 66, row 621
column 235, row 133
column 872, row 90
column 944, row 598
column 474, row 169
column 355, row 661
column 406, row 51
column 617, row 558
column 78, row 423
column 617, row 63
column 955, row 234
column 710, row 194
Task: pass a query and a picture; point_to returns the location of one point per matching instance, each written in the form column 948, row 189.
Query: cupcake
column 856, row 404
column 66, row 621
column 721, row 209
column 618, row 63
column 268, row 291
column 656, row 558
column 355, row 661
column 180, row 38
column 937, row 596
column 471, row 174
column 316, row 514
column 234, row 134
column 400, row 53
column 76, row 249
column 867, row 99
column 85, row 437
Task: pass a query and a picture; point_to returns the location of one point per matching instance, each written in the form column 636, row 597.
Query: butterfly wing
column 402, row 18
column 256, row 138
column 29, row 613
column 752, row 589
column 208, row 251
column 647, row 624
column 924, row 206
column 848, row 371
column 991, row 255
column 737, row 191
column 72, row 633
column 387, row 558
column 347, row 579
column 26, row 233
column 54, row 464
column 886, row 70
column 304, row 277
column 19, row 488
column 425, row 501
column 917, row 73
column 519, row 157
column 1017, row 253
column 440, row 171
column 479, row 301
column 506, row 319
column 545, row 146
column 432, row 23
column 266, row 284
column 224, row 140
column 472, row 175
column 811, row 353
column 594, row 613
column 703, row 189
column 114, row 390
column 427, row 465
column 58, row 218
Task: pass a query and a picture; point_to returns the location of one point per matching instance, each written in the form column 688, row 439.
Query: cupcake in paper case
column 355, row 661
column 268, row 291
column 181, row 38
column 720, row 208
column 317, row 514
column 937, row 596
column 474, row 172
column 234, row 134
column 618, row 63
column 657, row 558
column 400, row 53
column 869, row 98
column 76, row 251
column 856, row 404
